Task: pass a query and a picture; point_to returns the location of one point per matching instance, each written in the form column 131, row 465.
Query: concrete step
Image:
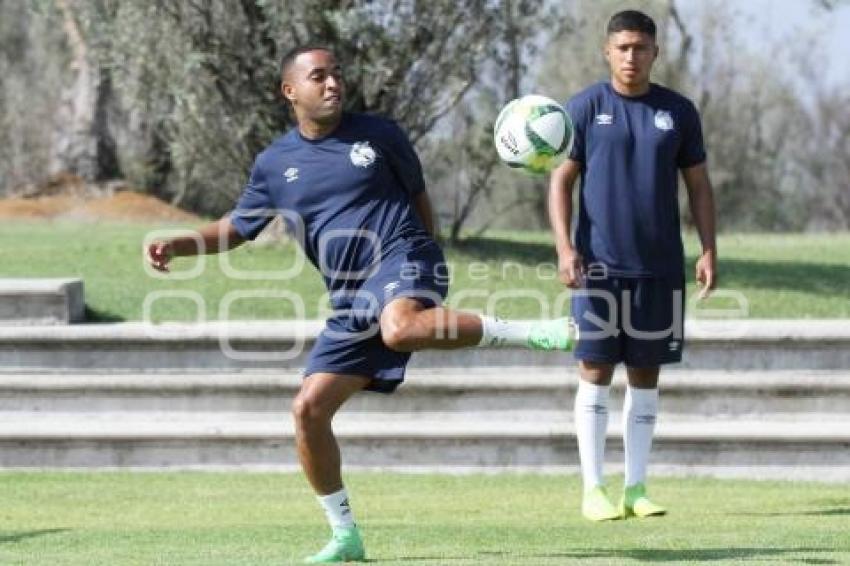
column 734, row 447
column 730, row 345
column 349, row 416
column 768, row 395
column 41, row 301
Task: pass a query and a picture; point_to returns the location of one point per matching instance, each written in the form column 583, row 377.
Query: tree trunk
column 82, row 142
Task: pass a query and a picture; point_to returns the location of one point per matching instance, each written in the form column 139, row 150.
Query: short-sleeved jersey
column 631, row 149
column 346, row 197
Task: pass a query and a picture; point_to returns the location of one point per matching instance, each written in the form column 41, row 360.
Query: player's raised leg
column 408, row 326
column 639, row 414
column 313, row 409
column 591, row 422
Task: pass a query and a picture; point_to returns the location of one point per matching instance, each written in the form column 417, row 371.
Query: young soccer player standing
column 632, row 137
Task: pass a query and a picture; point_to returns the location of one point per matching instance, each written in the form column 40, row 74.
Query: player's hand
column 570, row 268
column 706, row 273
column 158, row 254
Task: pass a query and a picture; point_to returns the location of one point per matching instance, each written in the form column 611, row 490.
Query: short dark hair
column 290, row 56
column 631, row 20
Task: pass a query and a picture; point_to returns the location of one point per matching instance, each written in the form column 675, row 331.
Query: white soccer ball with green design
column 533, row 133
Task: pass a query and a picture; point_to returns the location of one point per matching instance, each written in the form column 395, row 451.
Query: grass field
column 253, row 519
column 780, row 276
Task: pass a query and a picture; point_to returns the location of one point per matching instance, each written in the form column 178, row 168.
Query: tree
column 464, row 163
column 206, row 71
column 31, row 63
column 178, row 97
column 751, row 115
column 83, row 144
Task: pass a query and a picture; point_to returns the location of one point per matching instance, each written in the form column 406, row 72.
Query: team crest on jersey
column 663, row 120
column 291, row 174
column 362, row 154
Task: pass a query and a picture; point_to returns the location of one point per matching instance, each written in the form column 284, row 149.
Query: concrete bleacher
column 26, row 301
column 752, row 399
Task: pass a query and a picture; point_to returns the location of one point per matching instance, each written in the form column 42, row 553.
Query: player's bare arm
column 425, row 212
column 212, row 238
column 701, row 199
column 561, row 185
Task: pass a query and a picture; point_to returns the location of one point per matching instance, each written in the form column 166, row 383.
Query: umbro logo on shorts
column 390, row 287
column 674, row 345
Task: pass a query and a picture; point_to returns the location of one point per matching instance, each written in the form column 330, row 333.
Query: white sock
column 591, row 418
column 337, row 509
column 498, row 332
column 639, row 413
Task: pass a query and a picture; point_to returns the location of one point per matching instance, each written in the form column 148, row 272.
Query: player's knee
column 396, row 336
column 307, row 410
column 596, row 373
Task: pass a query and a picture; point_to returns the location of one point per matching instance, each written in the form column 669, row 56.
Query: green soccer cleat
column 596, row 506
column 557, row 334
column 635, row 503
column 345, row 546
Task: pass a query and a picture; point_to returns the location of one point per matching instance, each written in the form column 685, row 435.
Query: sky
column 787, row 20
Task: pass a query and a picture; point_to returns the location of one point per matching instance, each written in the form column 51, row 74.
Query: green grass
column 253, row 519
column 779, row 276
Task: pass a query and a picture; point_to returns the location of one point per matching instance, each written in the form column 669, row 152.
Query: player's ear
column 287, row 90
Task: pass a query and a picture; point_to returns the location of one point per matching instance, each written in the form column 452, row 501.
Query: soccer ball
column 532, row 133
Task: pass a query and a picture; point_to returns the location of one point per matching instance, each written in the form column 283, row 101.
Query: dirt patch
column 68, row 198
column 41, row 208
column 131, row 206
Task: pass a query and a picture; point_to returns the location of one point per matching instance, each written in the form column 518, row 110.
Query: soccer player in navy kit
column 350, row 189
column 632, row 137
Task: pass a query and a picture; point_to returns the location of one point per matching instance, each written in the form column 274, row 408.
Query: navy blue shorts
column 351, row 340
column 638, row 321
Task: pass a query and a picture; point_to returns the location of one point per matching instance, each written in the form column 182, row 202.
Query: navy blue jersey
column 631, row 149
column 346, row 197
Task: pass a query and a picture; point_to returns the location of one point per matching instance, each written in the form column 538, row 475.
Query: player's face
column 315, row 87
column 631, row 55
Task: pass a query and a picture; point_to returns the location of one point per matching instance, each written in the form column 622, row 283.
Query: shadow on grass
column 435, row 559
column 94, row 315
column 836, row 512
column 494, row 249
column 695, row 555
column 839, row 511
column 17, row 536
column 819, row 278
column 643, row 555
